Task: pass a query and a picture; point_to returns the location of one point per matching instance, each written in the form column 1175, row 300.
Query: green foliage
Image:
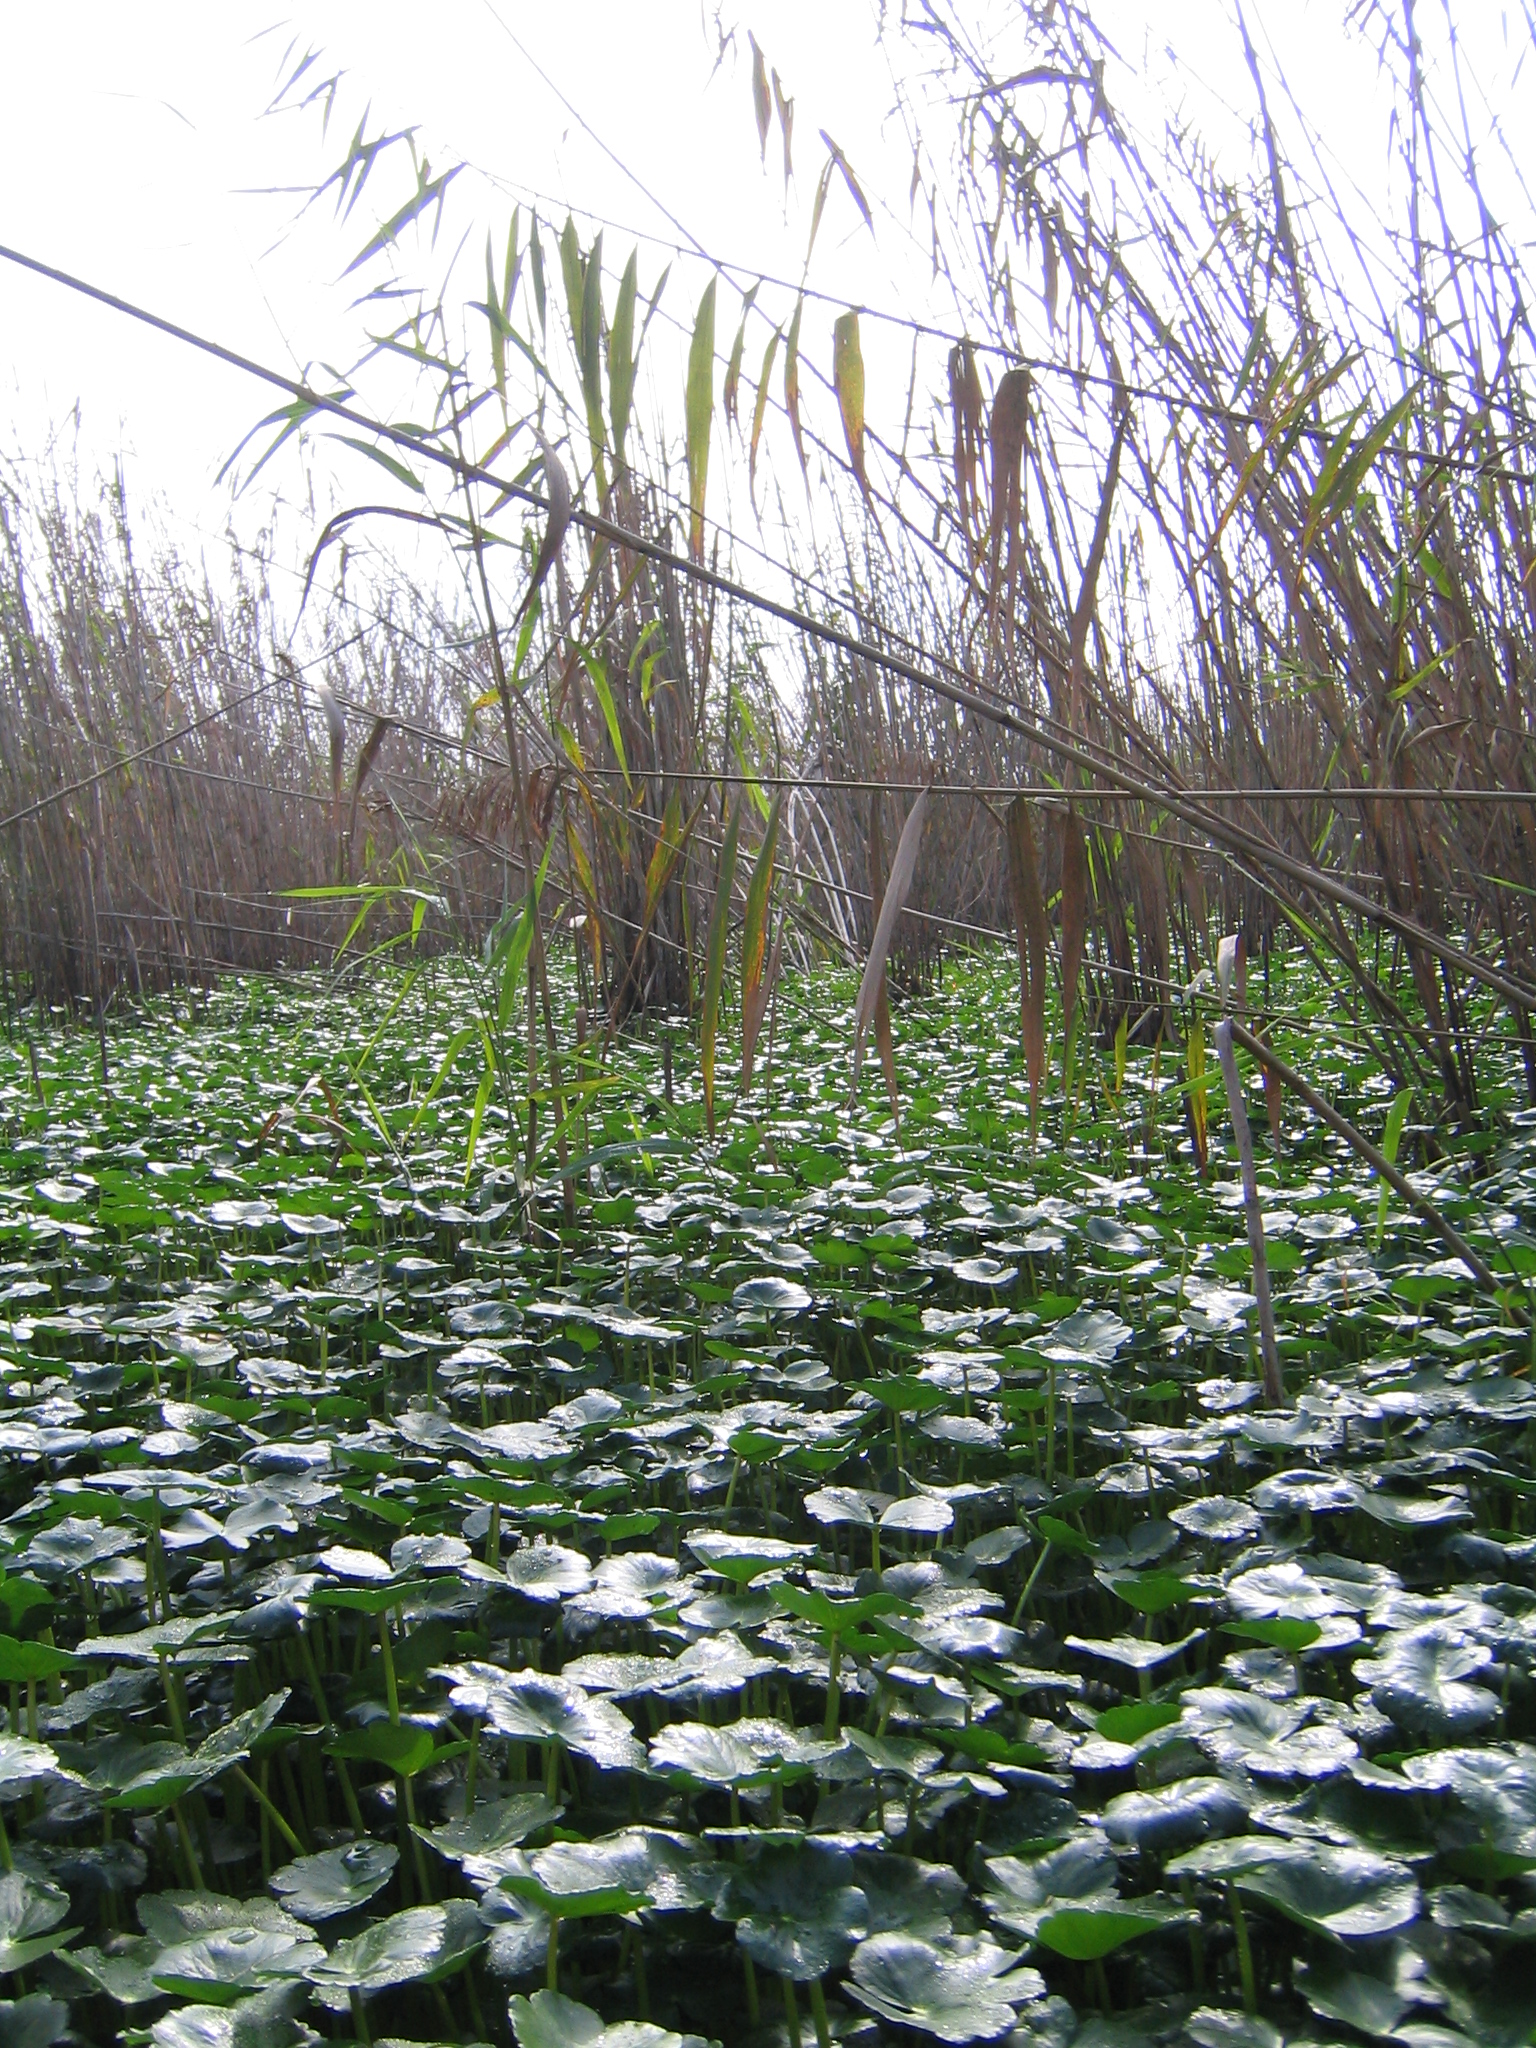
column 676, row 1585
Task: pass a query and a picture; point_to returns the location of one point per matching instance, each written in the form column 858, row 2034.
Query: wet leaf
column 967, row 1990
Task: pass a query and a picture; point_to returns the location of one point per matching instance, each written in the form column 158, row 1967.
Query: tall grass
column 1228, row 512
column 165, row 771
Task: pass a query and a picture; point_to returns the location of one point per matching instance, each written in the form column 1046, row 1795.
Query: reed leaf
column 1010, row 417
column 848, row 383
column 664, row 854
column 730, row 393
column 902, row 869
column 762, row 106
column 792, row 382
column 700, row 410
column 1195, row 1091
column 557, row 490
column 622, row 356
column 760, row 409
column 786, row 112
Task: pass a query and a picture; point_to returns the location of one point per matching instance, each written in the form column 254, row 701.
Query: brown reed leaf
column 792, row 382
column 1010, row 418
column 965, row 406
column 367, row 755
column 762, row 107
column 786, row 111
column 557, row 490
column 1194, row 894
column 902, row 870
column 336, row 728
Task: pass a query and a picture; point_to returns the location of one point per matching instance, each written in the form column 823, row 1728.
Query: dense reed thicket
column 167, row 766
column 1219, row 542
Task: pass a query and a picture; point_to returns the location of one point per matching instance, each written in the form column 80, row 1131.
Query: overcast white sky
column 133, row 150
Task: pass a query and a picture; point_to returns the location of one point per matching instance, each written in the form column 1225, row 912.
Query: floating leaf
column 548, row 2020
column 1086, row 1934
column 967, row 1990
column 796, row 1910
column 771, row 1295
column 336, row 1880
column 420, row 1945
column 1419, row 1680
column 1349, row 1893
column 30, row 1911
column 224, row 1965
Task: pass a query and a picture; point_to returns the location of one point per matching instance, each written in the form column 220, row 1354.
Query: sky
column 138, row 151
column 137, row 154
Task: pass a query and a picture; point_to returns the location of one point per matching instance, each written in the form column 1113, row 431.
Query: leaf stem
column 1244, row 1951
column 184, row 1836
column 834, row 1689
column 267, row 1805
column 1029, row 1583
column 387, row 1657
column 791, row 2011
column 818, row 1998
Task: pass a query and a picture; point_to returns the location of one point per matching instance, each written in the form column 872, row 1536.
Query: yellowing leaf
column 669, row 844
column 700, row 408
column 818, row 207
column 621, row 356
column 792, row 380
column 761, row 106
column 786, row 107
column 761, row 407
column 732, row 388
column 849, row 180
column 1194, row 1060
column 902, row 869
column 597, row 675
column 848, row 383
column 581, row 867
